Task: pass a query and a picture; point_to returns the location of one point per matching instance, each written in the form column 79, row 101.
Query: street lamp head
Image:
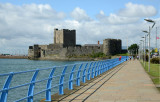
column 151, row 21
column 145, row 31
column 143, row 37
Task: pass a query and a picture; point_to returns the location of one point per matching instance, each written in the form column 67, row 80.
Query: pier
column 111, row 80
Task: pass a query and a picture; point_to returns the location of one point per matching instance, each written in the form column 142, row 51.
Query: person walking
column 120, row 58
column 130, row 58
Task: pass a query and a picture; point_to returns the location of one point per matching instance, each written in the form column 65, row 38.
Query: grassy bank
column 154, row 72
column 124, row 54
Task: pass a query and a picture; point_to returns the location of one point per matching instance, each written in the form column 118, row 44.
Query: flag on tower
column 157, row 37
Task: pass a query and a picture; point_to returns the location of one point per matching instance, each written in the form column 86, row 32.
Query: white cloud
column 137, row 10
column 27, row 20
column 115, row 19
column 101, row 12
column 80, row 15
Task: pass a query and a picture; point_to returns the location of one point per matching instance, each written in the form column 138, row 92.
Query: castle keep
column 65, row 37
column 64, row 47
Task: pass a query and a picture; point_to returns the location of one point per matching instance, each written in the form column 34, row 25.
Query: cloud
column 80, row 15
column 137, row 10
column 132, row 13
column 30, row 22
column 27, row 20
column 115, row 19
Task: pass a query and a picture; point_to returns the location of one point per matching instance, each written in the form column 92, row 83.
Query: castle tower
column 112, row 46
column 65, row 37
column 106, row 46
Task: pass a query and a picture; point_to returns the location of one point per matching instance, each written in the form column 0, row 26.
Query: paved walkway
column 130, row 84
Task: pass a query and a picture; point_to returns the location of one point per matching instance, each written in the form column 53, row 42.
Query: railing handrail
column 84, row 70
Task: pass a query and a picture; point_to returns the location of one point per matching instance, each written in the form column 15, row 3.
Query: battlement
column 56, row 29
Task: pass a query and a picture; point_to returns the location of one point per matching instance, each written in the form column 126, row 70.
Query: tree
column 133, row 49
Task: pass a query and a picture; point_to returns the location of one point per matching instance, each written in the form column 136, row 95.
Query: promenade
column 126, row 83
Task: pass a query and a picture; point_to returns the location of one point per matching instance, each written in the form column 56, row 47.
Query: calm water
column 16, row 65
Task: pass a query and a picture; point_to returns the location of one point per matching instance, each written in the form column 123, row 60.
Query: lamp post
column 144, row 50
column 151, row 21
column 140, row 51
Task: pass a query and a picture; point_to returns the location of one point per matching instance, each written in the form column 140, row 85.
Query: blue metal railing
column 65, row 77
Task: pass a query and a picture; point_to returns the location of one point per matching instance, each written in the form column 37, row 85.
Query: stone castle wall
column 65, row 46
column 82, row 50
column 63, row 52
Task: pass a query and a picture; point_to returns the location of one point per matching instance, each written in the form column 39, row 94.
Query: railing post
column 120, row 61
column 92, row 74
column 5, row 88
column 31, row 87
column 96, row 70
column 78, row 75
column 99, row 68
column 61, row 81
column 106, row 66
column 89, row 71
column 112, row 64
column 109, row 64
column 102, row 68
column 117, row 62
column 84, row 73
column 71, row 78
column 48, row 91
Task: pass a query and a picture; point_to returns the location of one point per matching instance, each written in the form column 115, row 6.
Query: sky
column 24, row 23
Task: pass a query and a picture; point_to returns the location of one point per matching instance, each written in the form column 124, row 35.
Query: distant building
column 64, row 47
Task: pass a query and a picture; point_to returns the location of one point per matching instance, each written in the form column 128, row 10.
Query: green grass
column 156, row 81
column 154, row 71
column 124, row 54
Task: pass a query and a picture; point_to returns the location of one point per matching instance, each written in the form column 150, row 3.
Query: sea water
column 17, row 65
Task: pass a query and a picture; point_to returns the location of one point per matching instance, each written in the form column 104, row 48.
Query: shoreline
column 57, row 59
column 71, row 58
column 13, row 57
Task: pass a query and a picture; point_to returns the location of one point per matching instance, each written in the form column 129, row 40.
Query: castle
column 65, row 47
